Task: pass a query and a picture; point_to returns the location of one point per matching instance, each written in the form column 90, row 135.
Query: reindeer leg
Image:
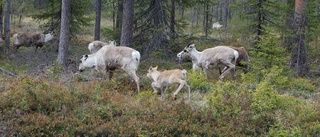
column 35, row 51
column 153, row 85
column 188, row 89
column 230, row 66
column 104, row 75
column 223, row 70
column 110, row 75
column 163, row 90
column 233, row 73
column 182, row 83
column 136, row 79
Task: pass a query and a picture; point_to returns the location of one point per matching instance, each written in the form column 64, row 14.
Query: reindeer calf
column 163, row 79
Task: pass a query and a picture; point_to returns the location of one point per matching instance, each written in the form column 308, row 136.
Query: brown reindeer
column 30, row 39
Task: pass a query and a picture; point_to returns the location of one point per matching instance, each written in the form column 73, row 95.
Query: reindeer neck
column 91, row 61
column 195, row 55
column 155, row 75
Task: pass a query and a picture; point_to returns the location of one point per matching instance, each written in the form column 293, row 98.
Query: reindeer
column 31, row 39
column 96, row 45
column 163, row 79
column 108, row 59
column 220, row 56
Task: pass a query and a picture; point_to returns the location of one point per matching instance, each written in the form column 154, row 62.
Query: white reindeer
column 220, row 56
column 216, row 25
column 163, row 79
column 242, row 60
column 96, row 45
column 109, row 58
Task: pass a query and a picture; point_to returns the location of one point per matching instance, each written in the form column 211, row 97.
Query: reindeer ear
column 156, row 67
column 85, row 57
column 192, row 45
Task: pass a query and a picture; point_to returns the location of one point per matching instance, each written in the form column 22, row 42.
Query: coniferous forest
column 115, row 68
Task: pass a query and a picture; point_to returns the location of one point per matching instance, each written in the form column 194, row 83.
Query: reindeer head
column 186, row 51
column 85, row 63
column 112, row 43
column 49, row 36
column 151, row 70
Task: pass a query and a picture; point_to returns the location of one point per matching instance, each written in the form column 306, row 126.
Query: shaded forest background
column 44, row 94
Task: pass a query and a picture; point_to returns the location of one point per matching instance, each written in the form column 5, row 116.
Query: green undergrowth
column 42, row 107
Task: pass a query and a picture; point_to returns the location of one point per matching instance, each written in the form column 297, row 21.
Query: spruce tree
column 52, row 15
column 260, row 14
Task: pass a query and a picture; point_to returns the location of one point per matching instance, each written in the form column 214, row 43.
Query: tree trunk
column 119, row 14
column 7, row 27
column 172, row 19
column 64, row 33
column 158, row 27
column 299, row 50
column 158, row 22
column 289, row 26
column 113, row 15
column 206, row 21
column 226, row 13
column 127, row 23
column 192, row 16
column 198, row 15
column 182, row 12
column 1, row 20
column 220, row 10
column 98, row 20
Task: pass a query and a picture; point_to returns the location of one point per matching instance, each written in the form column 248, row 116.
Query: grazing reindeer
column 220, row 56
column 31, row 39
column 108, row 59
column 96, row 45
column 163, row 79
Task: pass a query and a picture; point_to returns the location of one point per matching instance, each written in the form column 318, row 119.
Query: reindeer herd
column 107, row 57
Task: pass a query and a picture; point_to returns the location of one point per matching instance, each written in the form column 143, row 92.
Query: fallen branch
column 8, row 72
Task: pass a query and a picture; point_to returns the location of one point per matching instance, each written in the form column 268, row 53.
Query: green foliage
column 41, row 107
column 79, row 15
column 111, row 34
column 269, row 52
column 198, row 81
column 54, row 70
column 14, row 67
column 279, row 130
column 266, row 98
column 312, row 19
column 266, row 101
column 270, row 58
column 259, row 110
column 259, row 14
column 266, row 55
